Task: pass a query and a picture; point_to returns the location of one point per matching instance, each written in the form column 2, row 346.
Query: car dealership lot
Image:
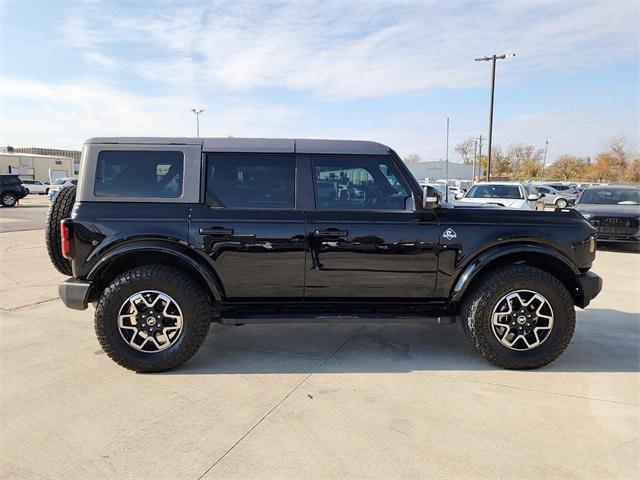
column 316, row 401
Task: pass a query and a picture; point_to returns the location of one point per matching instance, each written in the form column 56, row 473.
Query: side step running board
column 329, row 318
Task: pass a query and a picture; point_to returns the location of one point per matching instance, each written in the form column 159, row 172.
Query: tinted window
column 358, row 182
column 511, row 192
column 121, row 173
column 611, row 196
column 251, row 181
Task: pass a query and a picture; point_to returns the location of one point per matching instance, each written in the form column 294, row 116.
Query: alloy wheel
column 150, row 321
column 522, row 320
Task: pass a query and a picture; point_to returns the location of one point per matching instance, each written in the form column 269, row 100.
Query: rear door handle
column 217, row 231
column 332, row 233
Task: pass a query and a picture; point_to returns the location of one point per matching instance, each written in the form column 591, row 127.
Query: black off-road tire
column 196, row 311
column 9, row 200
column 478, row 305
column 59, row 209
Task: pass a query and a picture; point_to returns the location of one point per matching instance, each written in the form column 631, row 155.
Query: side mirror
column 533, row 197
column 430, row 198
column 459, row 195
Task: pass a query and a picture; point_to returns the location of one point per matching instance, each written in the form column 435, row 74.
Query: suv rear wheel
column 519, row 317
column 152, row 318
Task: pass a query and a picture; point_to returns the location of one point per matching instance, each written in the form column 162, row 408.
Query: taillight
column 66, row 237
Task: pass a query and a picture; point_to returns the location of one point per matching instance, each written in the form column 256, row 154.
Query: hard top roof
column 256, row 145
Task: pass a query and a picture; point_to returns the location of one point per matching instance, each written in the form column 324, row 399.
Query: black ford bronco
column 165, row 235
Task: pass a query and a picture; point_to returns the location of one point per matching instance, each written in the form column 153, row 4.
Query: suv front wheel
column 8, row 199
column 152, row 318
column 519, row 317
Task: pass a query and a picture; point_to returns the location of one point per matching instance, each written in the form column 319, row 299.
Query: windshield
column 495, row 191
column 611, row 196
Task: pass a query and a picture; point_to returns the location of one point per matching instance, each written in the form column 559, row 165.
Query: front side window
column 511, row 192
column 358, row 183
column 138, row 173
column 252, row 181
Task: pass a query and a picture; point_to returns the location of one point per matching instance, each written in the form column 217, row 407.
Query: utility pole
column 197, row 112
column 492, row 59
column 446, row 192
column 544, row 160
column 475, row 157
column 479, row 154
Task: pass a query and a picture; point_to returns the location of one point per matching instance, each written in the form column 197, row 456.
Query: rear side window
column 252, row 181
column 136, row 173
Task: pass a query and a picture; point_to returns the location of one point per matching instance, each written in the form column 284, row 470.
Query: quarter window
column 252, row 181
column 358, row 183
column 154, row 174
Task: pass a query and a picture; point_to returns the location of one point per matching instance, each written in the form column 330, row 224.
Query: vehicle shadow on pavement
column 605, row 341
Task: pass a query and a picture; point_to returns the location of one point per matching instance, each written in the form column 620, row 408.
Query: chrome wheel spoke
column 150, row 321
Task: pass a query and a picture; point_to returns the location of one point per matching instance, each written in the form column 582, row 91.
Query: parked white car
column 59, row 183
column 36, row 186
column 506, row 194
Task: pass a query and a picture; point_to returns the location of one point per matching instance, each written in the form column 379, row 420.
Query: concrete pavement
column 315, row 401
column 30, row 214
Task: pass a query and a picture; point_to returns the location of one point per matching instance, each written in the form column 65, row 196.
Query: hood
column 609, row 210
column 505, row 202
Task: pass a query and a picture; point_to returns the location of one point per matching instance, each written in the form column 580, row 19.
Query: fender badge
column 449, row 234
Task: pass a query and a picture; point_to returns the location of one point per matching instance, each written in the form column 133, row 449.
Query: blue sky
column 386, row 71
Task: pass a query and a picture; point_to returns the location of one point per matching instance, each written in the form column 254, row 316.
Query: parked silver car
column 551, row 196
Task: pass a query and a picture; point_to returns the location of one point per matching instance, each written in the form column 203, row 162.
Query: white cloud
column 66, row 114
column 359, row 49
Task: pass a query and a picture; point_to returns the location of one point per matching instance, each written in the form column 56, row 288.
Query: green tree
column 567, row 167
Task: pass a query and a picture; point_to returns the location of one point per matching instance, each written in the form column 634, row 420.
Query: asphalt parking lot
column 315, row 401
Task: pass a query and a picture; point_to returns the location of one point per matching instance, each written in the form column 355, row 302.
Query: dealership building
column 432, row 171
column 43, row 164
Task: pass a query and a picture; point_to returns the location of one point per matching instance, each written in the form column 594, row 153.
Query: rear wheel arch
column 123, row 259
column 541, row 257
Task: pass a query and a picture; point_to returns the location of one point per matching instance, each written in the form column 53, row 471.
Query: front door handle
column 332, row 233
column 217, row 231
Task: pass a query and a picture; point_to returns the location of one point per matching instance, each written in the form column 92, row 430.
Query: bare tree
column 621, row 149
column 466, row 149
column 412, row 158
column 524, row 160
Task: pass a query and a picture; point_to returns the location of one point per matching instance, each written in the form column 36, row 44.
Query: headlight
column 587, row 215
column 592, row 244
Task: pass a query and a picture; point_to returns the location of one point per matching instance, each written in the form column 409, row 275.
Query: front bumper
column 75, row 293
column 589, row 286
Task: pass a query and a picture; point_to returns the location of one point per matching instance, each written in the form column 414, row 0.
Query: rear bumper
column 74, row 293
column 590, row 286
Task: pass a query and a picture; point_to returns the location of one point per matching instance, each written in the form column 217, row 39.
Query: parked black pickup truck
column 165, row 235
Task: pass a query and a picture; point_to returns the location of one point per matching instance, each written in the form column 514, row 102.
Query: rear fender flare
column 183, row 254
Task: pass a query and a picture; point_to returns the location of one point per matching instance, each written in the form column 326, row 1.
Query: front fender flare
column 478, row 263
column 182, row 253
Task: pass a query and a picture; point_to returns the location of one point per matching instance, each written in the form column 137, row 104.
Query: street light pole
column 446, row 192
column 492, row 59
column 544, row 160
column 197, row 112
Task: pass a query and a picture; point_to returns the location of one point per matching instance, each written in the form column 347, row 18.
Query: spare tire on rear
column 59, row 209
